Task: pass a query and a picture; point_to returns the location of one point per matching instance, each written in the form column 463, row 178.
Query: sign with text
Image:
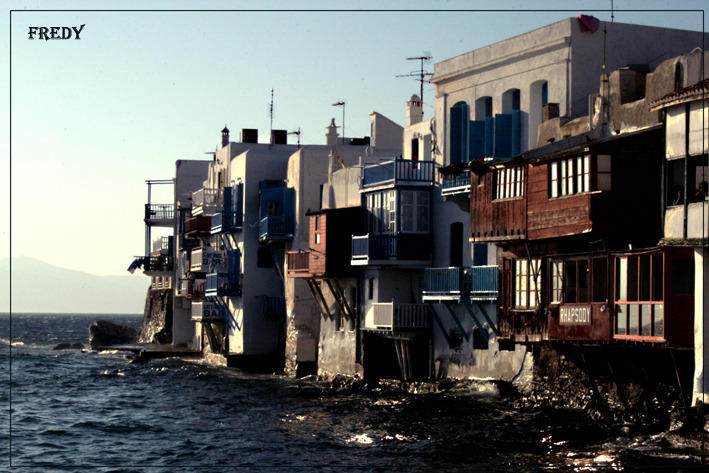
column 575, row 315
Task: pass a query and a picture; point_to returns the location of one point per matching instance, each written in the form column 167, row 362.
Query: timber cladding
column 495, row 220
column 331, row 233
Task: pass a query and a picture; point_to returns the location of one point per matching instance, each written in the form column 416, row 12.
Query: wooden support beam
column 466, row 335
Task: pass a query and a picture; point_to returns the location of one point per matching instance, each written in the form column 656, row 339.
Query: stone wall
column 157, row 317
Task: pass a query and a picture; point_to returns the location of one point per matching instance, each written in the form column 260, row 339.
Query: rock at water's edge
column 104, row 333
column 69, row 346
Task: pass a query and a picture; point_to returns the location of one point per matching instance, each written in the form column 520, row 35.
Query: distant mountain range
column 40, row 287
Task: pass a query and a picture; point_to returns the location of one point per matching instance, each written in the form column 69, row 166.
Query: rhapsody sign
column 575, row 315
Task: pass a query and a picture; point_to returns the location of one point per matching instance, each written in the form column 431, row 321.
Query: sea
column 82, row 410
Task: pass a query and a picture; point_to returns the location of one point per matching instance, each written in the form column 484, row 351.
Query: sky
column 92, row 119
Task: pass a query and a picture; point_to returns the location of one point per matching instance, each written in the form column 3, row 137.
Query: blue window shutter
column 456, row 134
column 476, row 147
column 516, row 127
column 489, row 135
column 503, row 135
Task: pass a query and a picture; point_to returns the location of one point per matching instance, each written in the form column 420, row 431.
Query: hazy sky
column 92, row 120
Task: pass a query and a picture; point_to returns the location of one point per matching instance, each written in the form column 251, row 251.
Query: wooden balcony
column 400, row 249
column 396, row 172
column 298, row 264
column 476, row 283
column 198, row 226
column 276, row 228
column 393, row 317
column 207, row 201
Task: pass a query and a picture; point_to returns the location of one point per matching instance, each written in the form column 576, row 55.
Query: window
column 579, row 280
column 274, row 208
column 415, row 149
column 570, row 176
column 263, row 257
column 414, row 212
column 317, row 230
column 639, row 306
column 370, row 288
column 509, row 182
column 603, row 172
column 381, row 208
column 527, row 283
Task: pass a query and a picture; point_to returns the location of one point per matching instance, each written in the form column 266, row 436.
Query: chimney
column 225, row 136
column 414, row 110
column 249, row 135
column 332, row 134
column 279, row 137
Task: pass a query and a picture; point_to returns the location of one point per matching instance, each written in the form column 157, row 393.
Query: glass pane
column 645, row 278
column 563, row 178
column 621, row 321
column 646, row 320
column 583, row 280
column 633, row 319
column 599, row 273
column 579, row 174
column 657, row 277
column 570, row 282
column 556, row 281
column 659, row 322
column 632, row 278
column 554, row 180
column 622, row 279
column 586, row 173
column 422, row 219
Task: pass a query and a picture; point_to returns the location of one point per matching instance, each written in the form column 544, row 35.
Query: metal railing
column 397, row 170
column 222, row 284
column 226, row 221
column 391, row 316
column 159, row 211
column 298, row 261
column 158, row 264
column 475, row 282
column 162, row 243
column 399, row 246
column 456, row 183
column 276, row 228
column 273, row 306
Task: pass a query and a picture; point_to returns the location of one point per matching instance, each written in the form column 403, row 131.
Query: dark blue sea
column 86, row 411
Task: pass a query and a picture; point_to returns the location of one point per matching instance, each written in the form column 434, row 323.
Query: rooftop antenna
column 270, row 114
column 421, row 74
column 296, row 133
column 342, row 104
column 611, row 11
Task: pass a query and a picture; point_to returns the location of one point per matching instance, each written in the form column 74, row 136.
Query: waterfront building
column 685, row 200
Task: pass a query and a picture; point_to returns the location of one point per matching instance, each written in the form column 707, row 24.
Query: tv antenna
column 342, row 104
column 270, row 112
column 296, row 133
column 420, row 74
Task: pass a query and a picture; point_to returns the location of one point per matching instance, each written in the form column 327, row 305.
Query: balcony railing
column 226, row 222
column 198, row 225
column 159, row 212
column 207, row 259
column 207, row 201
column 474, row 283
column 398, row 170
column 162, row 245
column 298, row 261
column 456, row 184
column 273, row 306
column 400, row 246
column 159, row 264
column 400, row 317
column 276, row 228
column 222, row 284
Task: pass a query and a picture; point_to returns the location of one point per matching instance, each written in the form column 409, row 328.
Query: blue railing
column 273, row 306
column 227, row 222
column 392, row 172
column 456, row 183
column 222, row 284
column 476, row 282
column 400, row 246
column 276, row 228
